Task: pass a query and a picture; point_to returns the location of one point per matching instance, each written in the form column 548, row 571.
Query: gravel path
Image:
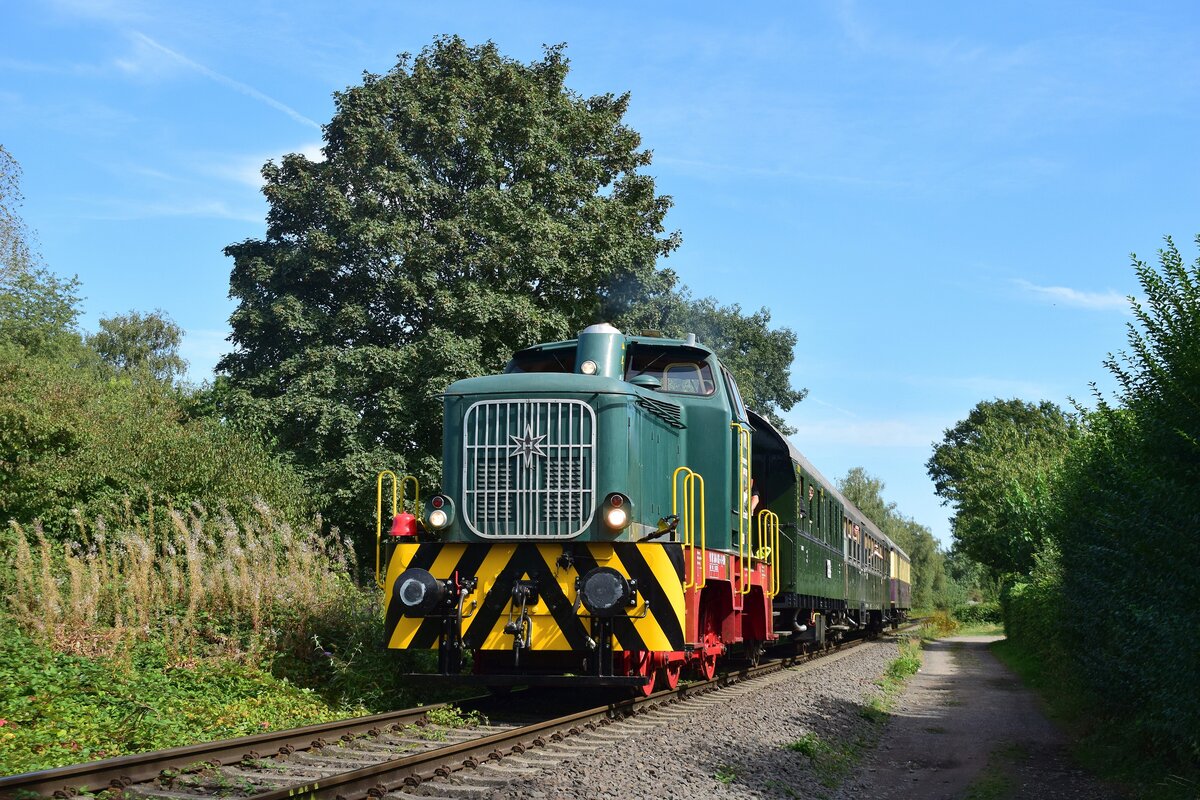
column 964, row 728
column 732, row 743
column 964, row 725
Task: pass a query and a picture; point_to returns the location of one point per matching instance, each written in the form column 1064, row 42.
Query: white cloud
column 152, row 57
column 1096, row 301
column 204, row 209
column 247, row 170
column 900, row 432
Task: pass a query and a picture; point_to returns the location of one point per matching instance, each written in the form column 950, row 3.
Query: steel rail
column 377, row 779
column 122, row 771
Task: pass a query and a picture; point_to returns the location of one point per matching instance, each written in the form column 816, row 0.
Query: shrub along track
column 369, row 756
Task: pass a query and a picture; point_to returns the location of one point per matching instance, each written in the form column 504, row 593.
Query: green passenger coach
column 610, row 513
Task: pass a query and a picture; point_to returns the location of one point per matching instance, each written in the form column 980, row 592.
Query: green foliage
column 37, row 309
column 140, row 344
column 73, row 441
column 467, row 205
column 209, row 627
column 907, row 663
column 995, row 467
column 928, row 571
column 1128, row 521
column 450, row 716
column 879, row 707
column 974, row 613
column 938, row 625
column 58, row 708
column 831, row 762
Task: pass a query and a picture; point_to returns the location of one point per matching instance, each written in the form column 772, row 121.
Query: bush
column 977, row 613
column 76, row 444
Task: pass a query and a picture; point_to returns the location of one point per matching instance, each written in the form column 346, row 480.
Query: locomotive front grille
column 529, row 468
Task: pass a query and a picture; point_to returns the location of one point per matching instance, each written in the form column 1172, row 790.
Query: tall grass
column 203, row 583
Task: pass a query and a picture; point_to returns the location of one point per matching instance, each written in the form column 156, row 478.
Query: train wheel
column 641, row 663
column 670, row 674
column 709, row 639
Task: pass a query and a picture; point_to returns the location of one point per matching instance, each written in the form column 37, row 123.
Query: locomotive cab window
column 677, row 370
column 735, row 397
column 543, row 359
column 686, row 378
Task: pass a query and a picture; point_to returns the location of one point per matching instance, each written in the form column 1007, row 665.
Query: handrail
column 768, row 527
column 743, row 501
column 689, row 522
column 399, row 498
column 379, row 515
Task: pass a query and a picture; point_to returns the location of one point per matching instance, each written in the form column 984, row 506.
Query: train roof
column 646, row 337
column 760, row 423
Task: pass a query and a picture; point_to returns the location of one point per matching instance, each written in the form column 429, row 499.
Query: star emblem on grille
column 527, row 445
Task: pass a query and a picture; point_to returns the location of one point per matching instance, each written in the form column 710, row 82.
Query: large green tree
column 466, row 206
column 995, row 468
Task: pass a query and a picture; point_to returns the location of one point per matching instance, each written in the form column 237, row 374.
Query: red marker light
column 404, row 525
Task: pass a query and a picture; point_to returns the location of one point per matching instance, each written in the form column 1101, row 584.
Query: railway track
column 399, row 752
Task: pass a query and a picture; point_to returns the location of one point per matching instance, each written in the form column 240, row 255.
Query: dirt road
column 966, row 728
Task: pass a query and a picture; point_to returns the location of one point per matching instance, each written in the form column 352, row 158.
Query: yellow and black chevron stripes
column 559, row 621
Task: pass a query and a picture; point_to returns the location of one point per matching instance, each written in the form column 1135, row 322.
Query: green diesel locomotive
column 612, row 514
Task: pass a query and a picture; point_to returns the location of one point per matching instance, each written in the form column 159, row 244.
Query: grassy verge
column 57, row 708
column 940, row 624
column 136, row 638
column 1106, row 747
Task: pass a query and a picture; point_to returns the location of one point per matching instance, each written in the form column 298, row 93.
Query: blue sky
column 939, row 198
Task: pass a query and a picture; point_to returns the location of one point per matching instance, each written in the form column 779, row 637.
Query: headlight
column 605, row 592
column 439, row 513
column 616, row 511
column 419, row 592
column 616, row 518
column 588, row 368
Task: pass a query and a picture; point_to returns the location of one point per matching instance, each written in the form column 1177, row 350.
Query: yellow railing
column 743, row 495
column 399, row 496
column 768, row 545
column 687, row 523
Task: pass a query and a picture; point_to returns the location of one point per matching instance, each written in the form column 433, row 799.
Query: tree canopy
column 38, row 309
column 994, row 467
column 466, row 206
column 141, row 344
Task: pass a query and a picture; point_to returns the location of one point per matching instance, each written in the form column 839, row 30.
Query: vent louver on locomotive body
column 529, row 468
